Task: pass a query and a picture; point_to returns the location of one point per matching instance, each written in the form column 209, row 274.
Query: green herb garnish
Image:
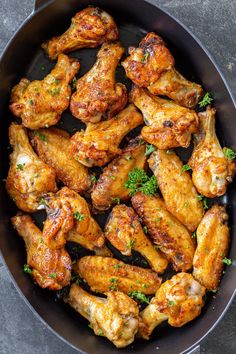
column 73, row 83
column 139, row 181
column 204, row 201
column 20, row 166
column 114, row 284
column 93, row 179
column 27, row 269
column 145, row 57
column 53, row 275
column 149, row 149
column 139, row 296
column 207, row 99
column 130, row 244
column 185, row 168
column 145, row 229
column 78, row 216
column 171, row 303
column 194, row 234
column 55, row 91
column 57, row 81
column 227, row 261
column 31, row 102
column 115, row 200
column 117, row 266
column 229, row 153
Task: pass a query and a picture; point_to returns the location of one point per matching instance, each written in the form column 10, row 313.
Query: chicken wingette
column 28, row 177
column 172, row 238
column 178, row 191
column 178, row 300
column 50, row 268
column 212, row 247
column 105, row 273
column 40, row 103
column 125, row 232
column 114, row 317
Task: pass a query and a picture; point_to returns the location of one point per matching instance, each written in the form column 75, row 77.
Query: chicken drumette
column 178, row 300
column 40, row 103
column 50, row 268
column 168, row 125
column 212, row 170
column 97, row 93
column 99, row 143
column 114, row 317
column 28, row 177
column 89, row 28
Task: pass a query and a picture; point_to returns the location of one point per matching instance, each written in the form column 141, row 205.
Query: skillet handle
column 39, row 3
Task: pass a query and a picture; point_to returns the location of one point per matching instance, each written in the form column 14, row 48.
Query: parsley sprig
column 139, row 296
column 139, row 181
column 207, row 99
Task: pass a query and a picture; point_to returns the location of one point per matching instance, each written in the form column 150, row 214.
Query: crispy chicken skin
column 89, row 28
column 28, row 177
column 173, row 239
column 114, row 317
column 145, row 64
column 105, row 273
column 50, row 268
column 178, row 300
column 168, row 125
column 177, row 188
column 212, row 247
column 212, row 170
column 40, row 103
column 99, row 143
column 111, row 183
column 97, row 93
column 173, row 85
column 125, row 232
column 54, row 151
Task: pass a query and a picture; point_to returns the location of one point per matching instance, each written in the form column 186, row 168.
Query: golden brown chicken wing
column 115, row 317
column 50, row 268
column 105, row 273
column 99, row 143
column 28, row 177
column 168, row 125
column 110, row 186
column 212, row 247
column 145, row 64
column 212, row 170
column 177, row 188
column 125, row 232
column 178, row 300
column 40, row 103
column 97, row 93
column 52, row 146
column 89, row 28
column 173, row 85
column 173, row 239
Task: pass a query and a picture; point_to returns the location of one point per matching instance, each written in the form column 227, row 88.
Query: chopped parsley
column 31, row 102
column 53, row 275
column 55, row 91
column 145, row 57
column 57, row 81
column 78, row 216
column 41, row 136
column 73, row 83
column 93, row 179
column 42, row 201
column 229, row 153
column 139, row 296
column 185, row 168
column 130, row 244
column 20, row 166
column 117, row 266
column 128, row 157
column 194, row 235
column 149, row 149
column 27, row 269
column 139, row 181
column 145, row 229
column 204, row 201
column 171, row 303
column 115, row 200
column 76, row 279
column 227, row 261
column 114, row 284
column 207, row 99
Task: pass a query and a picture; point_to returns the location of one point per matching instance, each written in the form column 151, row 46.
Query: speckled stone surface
column 214, row 23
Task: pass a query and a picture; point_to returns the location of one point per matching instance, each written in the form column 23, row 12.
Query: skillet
column 134, row 18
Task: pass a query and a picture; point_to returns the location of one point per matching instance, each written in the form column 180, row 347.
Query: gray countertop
column 213, row 22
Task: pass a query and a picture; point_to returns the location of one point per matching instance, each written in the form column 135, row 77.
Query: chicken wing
column 168, row 125
column 173, row 85
column 52, row 146
column 125, row 232
column 40, row 103
column 105, row 273
column 212, row 170
column 212, row 247
column 99, row 143
column 145, row 64
column 172, row 238
column 97, row 93
column 114, row 317
column 178, row 300
column 110, row 186
column 89, row 28
column 50, row 268
column 177, row 188
column 28, row 177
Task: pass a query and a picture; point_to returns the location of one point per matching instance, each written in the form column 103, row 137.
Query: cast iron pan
column 24, row 57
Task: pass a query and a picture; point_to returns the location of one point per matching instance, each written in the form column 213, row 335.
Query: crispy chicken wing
column 212, row 170
column 110, row 186
column 52, row 146
column 145, row 64
column 178, row 300
column 173, row 239
column 89, row 28
column 28, row 177
column 99, row 143
column 105, row 273
column 50, row 268
column 168, row 125
column 177, row 188
column 40, row 103
column 114, row 317
column 125, row 232
column 97, row 93
column 212, row 247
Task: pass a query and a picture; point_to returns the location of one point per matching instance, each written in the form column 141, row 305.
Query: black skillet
column 23, row 57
